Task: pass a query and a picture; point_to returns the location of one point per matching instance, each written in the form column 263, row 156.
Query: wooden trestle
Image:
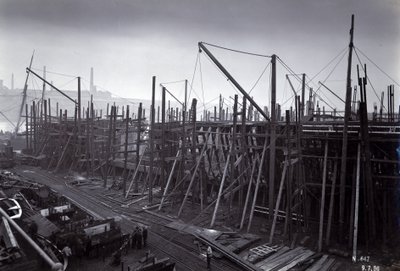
column 223, row 163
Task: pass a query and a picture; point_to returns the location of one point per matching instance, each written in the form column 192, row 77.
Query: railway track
column 161, row 240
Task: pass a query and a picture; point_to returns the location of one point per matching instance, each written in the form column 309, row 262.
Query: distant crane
column 24, row 96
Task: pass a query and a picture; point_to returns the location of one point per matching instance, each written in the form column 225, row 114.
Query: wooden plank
column 285, row 258
column 318, row 264
column 273, row 256
column 328, row 265
column 229, row 254
column 298, row 259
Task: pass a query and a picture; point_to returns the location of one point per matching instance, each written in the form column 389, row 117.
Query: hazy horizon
column 127, row 42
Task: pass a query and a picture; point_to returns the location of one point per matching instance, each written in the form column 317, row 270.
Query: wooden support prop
column 278, row 201
column 169, row 180
column 194, row 172
column 135, row 173
column 257, row 184
column 322, row 207
column 249, row 190
column 331, row 203
column 220, row 191
column 355, row 233
column 63, row 154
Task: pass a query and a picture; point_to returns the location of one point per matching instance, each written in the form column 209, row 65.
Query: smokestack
column 12, row 81
column 91, row 80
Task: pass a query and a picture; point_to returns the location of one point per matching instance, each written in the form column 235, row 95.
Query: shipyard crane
column 24, row 96
column 230, row 77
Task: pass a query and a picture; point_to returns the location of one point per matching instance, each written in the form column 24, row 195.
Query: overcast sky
column 129, row 41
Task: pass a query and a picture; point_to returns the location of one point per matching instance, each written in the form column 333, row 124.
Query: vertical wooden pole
column 183, row 147
column 109, row 143
column 79, row 105
column 303, row 91
column 139, row 128
column 233, row 149
column 34, row 128
column 243, row 149
column 322, row 205
column 31, row 130
column 288, row 220
column 125, row 175
column 355, row 230
column 87, row 144
column 45, row 113
column 347, row 115
column 27, row 126
column 331, row 203
column 272, row 138
column 152, row 133
column 163, row 147
column 49, row 111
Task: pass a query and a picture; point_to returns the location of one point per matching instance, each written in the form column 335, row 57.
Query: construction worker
column 67, row 251
column 144, row 236
column 134, row 238
column 116, row 261
column 209, row 256
column 139, row 238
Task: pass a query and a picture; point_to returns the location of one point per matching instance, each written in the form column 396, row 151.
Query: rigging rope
column 259, row 78
column 394, row 81
column 51, row 72
column 194, row 73
column 201, row 83
column 362, row 67
column 329, row 63
column 236, row 51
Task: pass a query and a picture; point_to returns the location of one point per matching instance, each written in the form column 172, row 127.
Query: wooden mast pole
column 345, row 135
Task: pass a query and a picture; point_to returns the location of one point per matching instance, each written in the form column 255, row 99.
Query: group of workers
column 139, row 237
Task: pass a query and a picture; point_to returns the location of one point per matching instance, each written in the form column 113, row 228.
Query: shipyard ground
column 163, row 241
